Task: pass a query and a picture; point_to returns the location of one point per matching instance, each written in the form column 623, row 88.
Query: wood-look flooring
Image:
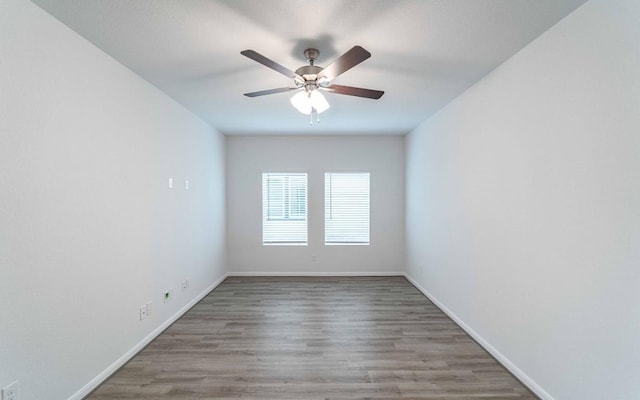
column 313, row 338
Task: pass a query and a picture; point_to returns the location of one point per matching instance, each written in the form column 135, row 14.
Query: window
column 284, row 208
column 346, row 208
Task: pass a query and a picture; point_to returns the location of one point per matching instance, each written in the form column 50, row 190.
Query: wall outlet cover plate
column 10, row 392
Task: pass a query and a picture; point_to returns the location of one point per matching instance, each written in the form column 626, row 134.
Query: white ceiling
column 424, row 53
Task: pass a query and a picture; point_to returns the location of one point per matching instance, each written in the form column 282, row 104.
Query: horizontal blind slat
column 284, row 208
column 347, row 207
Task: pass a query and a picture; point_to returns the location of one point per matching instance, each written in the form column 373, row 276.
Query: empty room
column 295, row 199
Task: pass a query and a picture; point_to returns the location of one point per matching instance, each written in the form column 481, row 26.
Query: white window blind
column 346, row 208
column 284, row 208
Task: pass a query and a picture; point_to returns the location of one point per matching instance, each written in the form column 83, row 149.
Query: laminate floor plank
column 338, row 338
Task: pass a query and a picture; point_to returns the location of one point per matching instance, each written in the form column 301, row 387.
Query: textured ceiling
column 424, row 53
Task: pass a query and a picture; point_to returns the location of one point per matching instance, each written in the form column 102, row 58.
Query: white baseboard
column 524, row 378
column 316, row 273
column 95, row 382
column 517, row 372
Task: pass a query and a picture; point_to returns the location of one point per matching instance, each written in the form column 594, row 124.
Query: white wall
column 523, row 199
column 249, row 156
column 89, row 230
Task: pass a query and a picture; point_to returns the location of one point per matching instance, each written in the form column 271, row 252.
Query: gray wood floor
column 313, row 338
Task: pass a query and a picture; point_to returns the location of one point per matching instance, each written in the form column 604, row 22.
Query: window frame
column 286, row 207
column 326, row 243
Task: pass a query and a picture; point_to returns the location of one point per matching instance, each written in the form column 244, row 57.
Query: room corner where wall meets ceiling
column 90, row 230
column 423, row 54
column 381, row 156
column 522, row 207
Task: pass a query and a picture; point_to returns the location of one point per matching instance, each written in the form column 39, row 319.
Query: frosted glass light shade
column 301, row 102
column 319, row 102
column 306, row 102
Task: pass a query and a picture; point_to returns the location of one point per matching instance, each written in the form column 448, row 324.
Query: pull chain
column 313, row 110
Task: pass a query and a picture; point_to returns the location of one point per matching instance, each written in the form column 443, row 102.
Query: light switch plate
column 143, row 312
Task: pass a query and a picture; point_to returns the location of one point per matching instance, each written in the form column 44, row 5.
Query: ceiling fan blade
column 255, row 56
column 355, row 91
column 345, row 62
column 270, row 91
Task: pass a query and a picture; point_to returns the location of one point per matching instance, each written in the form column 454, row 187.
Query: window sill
column 284, row 244
column 346, row 244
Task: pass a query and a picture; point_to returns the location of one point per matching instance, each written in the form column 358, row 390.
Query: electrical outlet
column 149, row 308
column 167, row 295
column 10, row 392
column 185, row 284
column 143, row 312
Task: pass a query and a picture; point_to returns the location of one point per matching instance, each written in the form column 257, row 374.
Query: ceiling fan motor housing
column 310, row 75
column 309, row 72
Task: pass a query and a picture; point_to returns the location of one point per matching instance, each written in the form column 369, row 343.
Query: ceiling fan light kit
column 309, row 101
column 310, row 79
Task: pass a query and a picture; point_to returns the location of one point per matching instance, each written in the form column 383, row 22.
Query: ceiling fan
column 310, row 79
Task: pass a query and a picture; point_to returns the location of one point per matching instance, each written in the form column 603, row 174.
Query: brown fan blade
column 345, row 62
column 270, row 91
column 355, row 91
column 269, row 63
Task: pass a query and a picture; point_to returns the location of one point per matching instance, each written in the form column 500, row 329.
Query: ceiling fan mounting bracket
column 311, row 55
